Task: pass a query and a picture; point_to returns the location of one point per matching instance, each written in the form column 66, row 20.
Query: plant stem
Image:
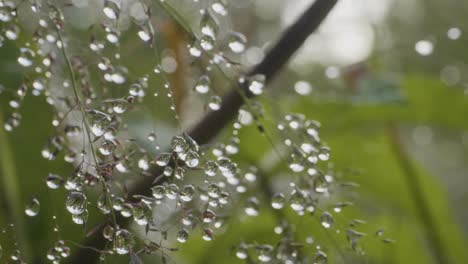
column 417, row 193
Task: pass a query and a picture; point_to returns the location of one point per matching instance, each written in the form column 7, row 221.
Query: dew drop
column 33, row 207
column 108, row 232
column 186, row 194
column 123, row 241
column 241, row 252
column 326, row 219
column 219, row 8
column 256, row 84
column 203, row 84
column 54, row 181
column 207, row 43
column 76, row 202
column 111, row 9
column 192, row 159
column 158, row 191
column 80, row 219
column 237, row 42
column 163, row 159
column 182, row 235
column 103, row 204
column 215, row 103
column 277, row 201
column 26, row 57
column 208, row 25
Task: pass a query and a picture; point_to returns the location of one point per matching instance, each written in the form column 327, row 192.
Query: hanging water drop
column 182, row 235
column 54, row 181
column 76, row 202
column 256, row 84
column 215, row 103
column 203, row 84
column 123, row 241
column 26, row 57
column 237, row 42
column 33, row 207
column 277, row 201
column 326, row 219
column 208, row 25
column 112, row 9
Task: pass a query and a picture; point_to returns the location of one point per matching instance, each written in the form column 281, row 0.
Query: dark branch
column 214, row 122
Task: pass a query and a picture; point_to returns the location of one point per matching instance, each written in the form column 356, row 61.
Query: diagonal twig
column 214, row 122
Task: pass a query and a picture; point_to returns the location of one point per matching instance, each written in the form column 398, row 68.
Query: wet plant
column 153, row 190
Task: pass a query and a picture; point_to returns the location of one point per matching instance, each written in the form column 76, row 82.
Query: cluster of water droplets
column 90, row 102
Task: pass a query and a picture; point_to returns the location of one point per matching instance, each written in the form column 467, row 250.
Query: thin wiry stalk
column 214, row 122
column 417, row 193
column 85, row 122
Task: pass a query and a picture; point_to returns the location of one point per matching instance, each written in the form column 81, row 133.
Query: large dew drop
column 76, row 203
column 111, row 9
column 26, row 57
column 123, row 241
column 33, row 207
column 237, row 42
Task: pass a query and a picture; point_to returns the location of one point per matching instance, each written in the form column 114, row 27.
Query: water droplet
column 297, row 201
column 264, row 253
column 241, row 252
column 192, row 159
column 251, row 207
column 12, row 121
column 208, row 25
column 207, row 234
column 54, row 181
column 80, row 219
column 158, row 191
column 219, row 8
column 103, row 204
column 256, row 84
column 142, row 214
column 326, row 219
column 237, row 42
column 277, row 201
column 324, row 153
column 203, row 84
column 12, row 32
column 123, row 241
column 33, row 207
column 108, row 232
column 215, row 103
column 207, row 43
column 119, row 106
column 163, row 159
column 186, row 194
column 111, row 9
column 171, row 191
column 320, row 258
column 195, row 49
column 208, row 216
column 145, row 33
column 26, row 57
column 127, row 210
column 179, row 144
column 76, row 202
column 182, row 235
column 107, row 147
